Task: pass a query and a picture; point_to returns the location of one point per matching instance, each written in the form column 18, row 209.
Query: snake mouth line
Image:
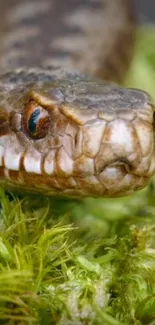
column 115, row 180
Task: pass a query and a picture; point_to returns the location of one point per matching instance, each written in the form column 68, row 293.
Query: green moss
column 87, row 262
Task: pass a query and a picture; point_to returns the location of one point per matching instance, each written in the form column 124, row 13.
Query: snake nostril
column 76, row 139
column 154, row 119
column 118, row 163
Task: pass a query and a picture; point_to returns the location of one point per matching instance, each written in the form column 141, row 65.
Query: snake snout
column 126, row 158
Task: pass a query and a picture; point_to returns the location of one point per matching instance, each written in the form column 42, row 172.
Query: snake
column 67, row 126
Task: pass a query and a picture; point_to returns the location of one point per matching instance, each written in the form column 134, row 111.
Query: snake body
column 63, row 130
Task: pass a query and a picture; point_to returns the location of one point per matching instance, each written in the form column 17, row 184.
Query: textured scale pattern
column 63, row 132
column 90, row 35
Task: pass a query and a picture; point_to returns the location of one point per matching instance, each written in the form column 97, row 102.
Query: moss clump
column 87, row 262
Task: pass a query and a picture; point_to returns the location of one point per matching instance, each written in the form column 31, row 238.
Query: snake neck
column 93, row 36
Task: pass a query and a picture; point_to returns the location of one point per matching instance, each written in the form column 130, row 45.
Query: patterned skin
column 62, row 132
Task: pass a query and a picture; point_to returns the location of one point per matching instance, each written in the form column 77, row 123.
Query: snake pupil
column 32, row 124
column 36, row 120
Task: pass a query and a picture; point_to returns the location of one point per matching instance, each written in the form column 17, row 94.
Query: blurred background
column 142, row 74
column 146, row 10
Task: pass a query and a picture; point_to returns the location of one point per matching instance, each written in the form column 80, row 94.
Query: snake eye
column 36, row 120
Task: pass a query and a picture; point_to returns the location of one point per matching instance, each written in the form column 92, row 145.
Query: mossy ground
column 85, row 262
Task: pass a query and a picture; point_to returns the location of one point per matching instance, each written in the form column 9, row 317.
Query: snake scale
column 66, row 128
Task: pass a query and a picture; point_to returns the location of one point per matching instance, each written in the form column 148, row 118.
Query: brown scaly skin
column 63, row 133
column 93, row 36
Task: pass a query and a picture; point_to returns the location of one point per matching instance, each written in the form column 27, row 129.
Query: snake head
column 63, row 133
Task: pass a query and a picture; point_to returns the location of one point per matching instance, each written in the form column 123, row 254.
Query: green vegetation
column 88, row 262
